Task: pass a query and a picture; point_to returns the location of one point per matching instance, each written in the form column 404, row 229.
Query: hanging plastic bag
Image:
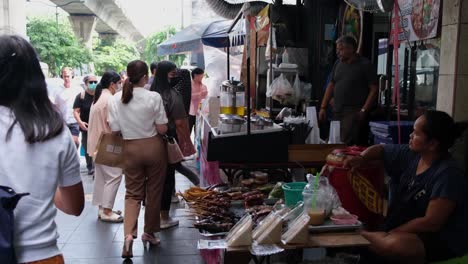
column 271, row 45
column 280, row 89
column 285, row 56
column 297, row 89
column 306, row 91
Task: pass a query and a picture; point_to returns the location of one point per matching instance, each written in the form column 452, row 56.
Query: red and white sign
column 419, row 19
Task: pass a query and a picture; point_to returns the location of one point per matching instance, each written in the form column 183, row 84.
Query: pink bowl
column 344, row 219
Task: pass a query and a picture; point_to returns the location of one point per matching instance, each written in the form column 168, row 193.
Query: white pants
column 106, row 184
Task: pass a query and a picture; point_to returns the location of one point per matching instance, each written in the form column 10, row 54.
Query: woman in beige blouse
column 139, row 116
column 107, row 179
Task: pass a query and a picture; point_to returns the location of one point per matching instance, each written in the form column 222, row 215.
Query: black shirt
column 411, row 193
column 352, row 84
column 184, row 87
column 84, row 105
column 174, row 107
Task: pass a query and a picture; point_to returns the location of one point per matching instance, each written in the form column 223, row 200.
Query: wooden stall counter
column 323, row 240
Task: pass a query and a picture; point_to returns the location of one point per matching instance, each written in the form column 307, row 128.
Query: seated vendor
column 428, row 211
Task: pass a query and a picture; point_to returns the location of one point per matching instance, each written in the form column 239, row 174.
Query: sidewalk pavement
column 86, row 240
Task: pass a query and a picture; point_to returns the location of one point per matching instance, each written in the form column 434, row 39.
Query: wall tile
column 447, row 49
column 464, row 14
column 445, row 92
column 450, row 14
column 461, row 99
column 462, row 55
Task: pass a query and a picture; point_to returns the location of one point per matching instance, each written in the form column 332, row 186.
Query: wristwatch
column 363, row 110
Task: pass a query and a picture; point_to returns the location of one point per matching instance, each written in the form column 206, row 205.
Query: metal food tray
column 237, row 208
column 329, row 226
column 267, row 201
column 208, row 234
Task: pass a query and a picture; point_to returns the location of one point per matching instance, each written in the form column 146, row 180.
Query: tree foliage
column 113, row 55
column 56, row 46
column 150, row 53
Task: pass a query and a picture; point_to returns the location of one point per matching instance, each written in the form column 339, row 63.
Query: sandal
column 100, row 211
column 113, row 218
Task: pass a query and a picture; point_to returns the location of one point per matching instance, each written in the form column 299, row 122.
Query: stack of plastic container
column 386, row 132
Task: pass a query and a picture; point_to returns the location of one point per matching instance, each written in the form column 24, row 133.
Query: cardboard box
column 311, row 152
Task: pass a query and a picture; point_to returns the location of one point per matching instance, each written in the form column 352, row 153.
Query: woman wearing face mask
column 81, row 108
column 107, row 179
column 177, row 126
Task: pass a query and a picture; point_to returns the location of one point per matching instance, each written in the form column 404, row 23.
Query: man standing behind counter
column 353, row 87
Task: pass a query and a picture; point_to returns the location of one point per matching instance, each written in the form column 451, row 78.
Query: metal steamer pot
column 229, row 123
column 260, row 123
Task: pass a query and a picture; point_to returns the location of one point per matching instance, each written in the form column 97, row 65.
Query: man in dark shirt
column 353, row 87
column 428, row 208
column 81, row 110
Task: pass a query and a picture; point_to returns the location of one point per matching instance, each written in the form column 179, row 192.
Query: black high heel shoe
column 127, row 251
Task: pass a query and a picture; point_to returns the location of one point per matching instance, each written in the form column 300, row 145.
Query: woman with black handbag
column 177, row 127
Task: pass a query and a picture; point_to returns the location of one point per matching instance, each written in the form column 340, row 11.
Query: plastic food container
column 344, row 219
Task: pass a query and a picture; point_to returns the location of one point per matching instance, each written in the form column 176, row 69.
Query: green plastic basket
column 293, row 192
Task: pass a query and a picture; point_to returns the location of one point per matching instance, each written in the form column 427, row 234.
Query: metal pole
column 228, row 52
column 271, row 59
column 247, row 36
column 248, row 94
column 412, row 82
column 388, row 92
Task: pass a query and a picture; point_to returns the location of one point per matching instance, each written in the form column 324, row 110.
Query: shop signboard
column 419, row 19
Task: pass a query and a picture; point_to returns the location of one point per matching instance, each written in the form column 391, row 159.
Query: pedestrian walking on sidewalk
column 81, row 108
column 107, row 179
column 138, row 114
column 38, row 155
column 64, row 101
column 177, row 128
column 199, row 92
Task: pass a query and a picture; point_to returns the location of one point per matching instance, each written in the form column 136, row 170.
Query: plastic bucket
column 293, row 192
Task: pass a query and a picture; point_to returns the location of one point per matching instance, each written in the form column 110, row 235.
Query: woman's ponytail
column 127, row 91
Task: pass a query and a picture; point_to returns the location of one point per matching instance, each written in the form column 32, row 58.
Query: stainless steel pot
column 229, row 123
column 259, row 123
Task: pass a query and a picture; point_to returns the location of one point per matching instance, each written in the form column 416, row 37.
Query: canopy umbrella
column 193, row 38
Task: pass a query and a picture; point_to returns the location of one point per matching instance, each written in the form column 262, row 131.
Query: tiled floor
column 85, row 240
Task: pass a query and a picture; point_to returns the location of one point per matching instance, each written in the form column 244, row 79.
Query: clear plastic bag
column 280, row 89
column 297, row 89
column 323, row 196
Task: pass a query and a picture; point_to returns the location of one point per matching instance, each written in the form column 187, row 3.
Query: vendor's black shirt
column 352, row 84
column 84, row 105
column 411, row 193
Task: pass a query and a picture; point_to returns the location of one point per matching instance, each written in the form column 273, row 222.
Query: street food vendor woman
column 427, row 217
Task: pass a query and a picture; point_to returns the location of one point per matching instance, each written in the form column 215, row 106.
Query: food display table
column 324, row 240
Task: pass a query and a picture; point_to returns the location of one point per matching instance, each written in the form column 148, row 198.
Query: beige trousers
column 106, row 185
column 145, row 173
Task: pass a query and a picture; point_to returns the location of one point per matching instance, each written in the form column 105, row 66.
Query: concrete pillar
column 83, row 27
column 13, row 17
column 452, row 92
column 107, row 38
